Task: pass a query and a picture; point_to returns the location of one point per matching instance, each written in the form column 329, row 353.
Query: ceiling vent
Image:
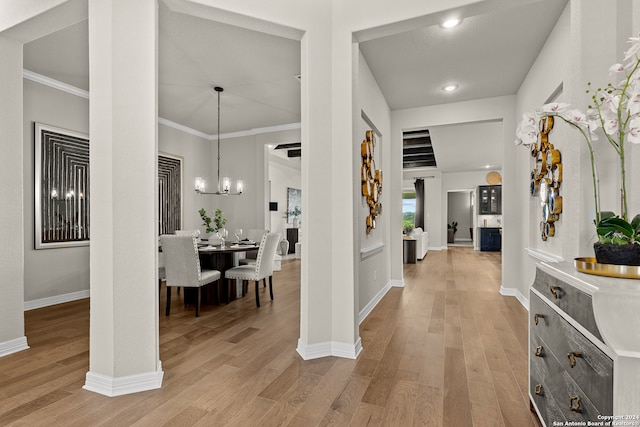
column 417, row 151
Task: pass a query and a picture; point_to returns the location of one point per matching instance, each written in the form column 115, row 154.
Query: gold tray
column 590, row 266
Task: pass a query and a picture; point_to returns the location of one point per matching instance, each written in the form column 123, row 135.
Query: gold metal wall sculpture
column 371, row 179
column 546, row 178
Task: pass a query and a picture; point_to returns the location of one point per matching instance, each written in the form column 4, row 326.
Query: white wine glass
column 238, row 233
column 222, row 235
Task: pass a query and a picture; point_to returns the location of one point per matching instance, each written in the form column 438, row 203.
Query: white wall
column 50, row 272
column 374, row 272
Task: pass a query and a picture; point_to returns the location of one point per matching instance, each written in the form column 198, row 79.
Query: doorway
column 460, row 217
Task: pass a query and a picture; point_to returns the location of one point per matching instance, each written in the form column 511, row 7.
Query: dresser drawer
column 541, row 369
column 579, row 358
column 555, row 392
column 573, row 301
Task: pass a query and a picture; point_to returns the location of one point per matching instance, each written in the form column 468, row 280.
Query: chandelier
column 224, row 186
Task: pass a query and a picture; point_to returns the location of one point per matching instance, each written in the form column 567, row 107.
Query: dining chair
column 263, row 267
column 253, row 235
column 182, row 266
column 162, row 273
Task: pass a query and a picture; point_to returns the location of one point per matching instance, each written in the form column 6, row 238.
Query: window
column 408, row 210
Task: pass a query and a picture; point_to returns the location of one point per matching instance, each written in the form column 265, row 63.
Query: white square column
column 328, row 308
column 124, row 342
column 12, row 338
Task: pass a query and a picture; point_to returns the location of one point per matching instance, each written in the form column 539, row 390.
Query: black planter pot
column 607, row 253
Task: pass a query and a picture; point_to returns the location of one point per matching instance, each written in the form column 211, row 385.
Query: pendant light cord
column 218, row 89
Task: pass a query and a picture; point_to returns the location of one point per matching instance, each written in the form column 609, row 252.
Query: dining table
column 215, row 257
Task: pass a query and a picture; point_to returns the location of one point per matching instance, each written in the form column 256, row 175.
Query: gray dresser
column 584, row 347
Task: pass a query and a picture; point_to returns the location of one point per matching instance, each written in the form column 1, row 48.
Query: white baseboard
column 397, row 283
column 330, row 348
column 372, row 304
column 13, row 346
column 110, row 386
column 511, row 292
column 436, row 248
column 57, row 299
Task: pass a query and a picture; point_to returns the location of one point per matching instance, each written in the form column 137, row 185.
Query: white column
column 124, row 349
column 12, row 338
column 328, row 317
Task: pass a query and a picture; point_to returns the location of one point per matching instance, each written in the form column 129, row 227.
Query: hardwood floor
column 445, row 350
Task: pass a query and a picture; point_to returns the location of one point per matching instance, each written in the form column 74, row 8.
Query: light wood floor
column 446, row 350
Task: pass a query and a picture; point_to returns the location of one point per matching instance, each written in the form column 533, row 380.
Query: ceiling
column 487, row 55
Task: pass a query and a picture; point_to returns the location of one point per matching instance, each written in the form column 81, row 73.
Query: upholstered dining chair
column 182, row 266
column 263, row 267
column 253, row 235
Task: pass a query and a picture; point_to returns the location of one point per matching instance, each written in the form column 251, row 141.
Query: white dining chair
column 182, row 266
column 263, row 267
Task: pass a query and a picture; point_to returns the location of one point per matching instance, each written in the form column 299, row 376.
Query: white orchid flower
column 633, row 104
column 611, row 126
column 633, row 135
column 616, row 68
column 611, row 102
column 577, row 117
column 555, row 107
column 635, row 46
column 528, row 134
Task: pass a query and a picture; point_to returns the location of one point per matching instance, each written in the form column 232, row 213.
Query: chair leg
column 264, row 282
column 198, row 297
column 271, row 286
column 257, row 295
column 166, row 313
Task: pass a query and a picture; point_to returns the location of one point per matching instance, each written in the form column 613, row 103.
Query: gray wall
column 50, row 272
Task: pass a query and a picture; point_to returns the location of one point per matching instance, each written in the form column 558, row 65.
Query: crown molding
column 64, row 87
column 183, row 128
column 55, row 84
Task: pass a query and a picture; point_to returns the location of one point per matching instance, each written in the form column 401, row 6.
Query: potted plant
column 295, row 213
column 615, row 109
column 451, row 231
column 218, row 221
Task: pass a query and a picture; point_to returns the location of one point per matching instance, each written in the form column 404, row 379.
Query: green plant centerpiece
column 616, row 110
column 218, row 221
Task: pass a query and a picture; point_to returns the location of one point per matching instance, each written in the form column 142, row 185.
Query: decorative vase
column 608, row 253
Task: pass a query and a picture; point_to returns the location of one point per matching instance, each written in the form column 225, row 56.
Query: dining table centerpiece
column 615, row 109
column 218, row 223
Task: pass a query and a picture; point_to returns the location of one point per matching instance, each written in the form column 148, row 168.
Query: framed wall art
column 61, row 187
column 169, row 193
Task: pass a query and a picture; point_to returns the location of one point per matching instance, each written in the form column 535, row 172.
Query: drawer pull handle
column 572, row 358
column 538, row 389
column 574, row 404
column 537, row 317
column 539, row 351
column 554, row 291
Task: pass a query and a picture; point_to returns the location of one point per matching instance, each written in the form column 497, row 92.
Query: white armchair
column 422, row 242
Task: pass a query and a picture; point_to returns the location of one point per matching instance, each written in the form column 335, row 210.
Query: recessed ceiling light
column 487, row 166
column 450, row 23
column 450, row 88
